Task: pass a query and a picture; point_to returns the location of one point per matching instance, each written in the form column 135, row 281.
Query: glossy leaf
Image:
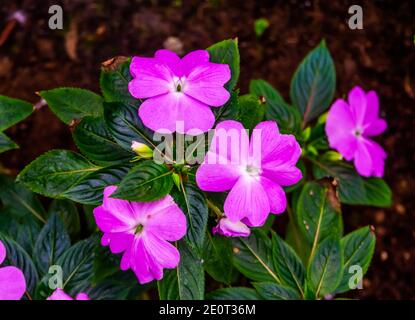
column 66, row 210
column 148, row 181
column 6, row 143
column 234, row 293
column 73, row 103
column 314, row 83
column 12, row 111
column 95, row 142
column 227, row 52
column 273, row 291
column 55, row 172
column 251, row 111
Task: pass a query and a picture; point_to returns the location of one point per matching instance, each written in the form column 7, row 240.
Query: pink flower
column 349, row 127
column 59, row 294
column 179, row 89
column 228, row 228
column 253, row 171
column 12, row 281
column 142, row 230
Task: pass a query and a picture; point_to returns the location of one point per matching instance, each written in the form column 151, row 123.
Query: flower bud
column 142, row 150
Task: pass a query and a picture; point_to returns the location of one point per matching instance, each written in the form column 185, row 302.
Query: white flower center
column 358, row 132
column 253, row 171
column 179, row 84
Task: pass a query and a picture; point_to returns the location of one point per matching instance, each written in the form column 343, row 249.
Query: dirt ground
column 379, row 57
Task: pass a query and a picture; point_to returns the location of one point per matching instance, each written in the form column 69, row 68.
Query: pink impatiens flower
column 59, row 294
column 350, row 126
column 12, row 281
column 179, row 90
column 254, row 171
column 228, row 228
column 142, row 230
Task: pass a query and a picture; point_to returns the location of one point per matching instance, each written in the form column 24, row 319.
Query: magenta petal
column 108, row 222
column 197, row 117
column 163, row 253
column 59, row 294
column 276, row 195
column 171, row 59
column 168, row 221
column 372, row 107
column 192, row 60
column 12, row 283
column 247, row 199
column 369, row 159
column 229, row 228
column 2, row 252
column 357, row 102
column 82, row 296
column 160, row 113
column 151, row 78
column 143, row 264
column 282, row 175
column 217, row 177
column 205, row 83
column 375, row 128
column 119, row 242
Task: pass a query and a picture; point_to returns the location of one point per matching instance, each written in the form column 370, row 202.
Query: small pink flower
column 228, row 228
column 254, row 171
column 12, row 281
column 59, row 294
column 142, row 230
column 179, row 89
column 350, row 126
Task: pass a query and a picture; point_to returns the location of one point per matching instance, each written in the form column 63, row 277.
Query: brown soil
column 379, row 57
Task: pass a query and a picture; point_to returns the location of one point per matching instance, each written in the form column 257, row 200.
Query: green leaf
column 6, row 143
column 354, row 189
column 326, row 268
column 68, row 213
column 288, row 265
column 318, row 213
column 273, row 291
column 125, row 126
column 358, row 248
column 90, row 188
column 55, row 172
column 227, row 52
column 287, row 117
column 218, row 257
column 13, row 111
column 114, row 80
column 148, row 181
column 77, row 266
column 253, row 257
column 314, row 83
column 235, row 293
column 193, row 203
column 16, row 256
column 95, row 142
column 19, row 202
column 73, row 103
column 251, row 111
column 24, row 231
column 52, row 242
column 230, row 110
column 187, row 281
column 260, row 26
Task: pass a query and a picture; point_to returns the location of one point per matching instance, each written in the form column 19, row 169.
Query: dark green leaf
column 358, row 248
column 273, row 291
column 318, row 213
column 67, row 211
column 313, row 83
column 16, row 256
column 187, row 281
column 95, row 142
column 52, row 242
column 235, row 293
column 125, row 126
column 253, row 257
column 6, row 143
column 55, row 172
column 89, row 190
column 287, row 117
column 148, row 181
column 326, row 268
column 114, row 81
column 251, row 111
column 288, row 265
column 193, row 203
column 227, row 52
column 230, row 110
column 73, row 103
column 13, row 111
column 354, row 189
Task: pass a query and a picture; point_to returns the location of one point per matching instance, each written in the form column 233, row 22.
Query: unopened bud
column 142, row 150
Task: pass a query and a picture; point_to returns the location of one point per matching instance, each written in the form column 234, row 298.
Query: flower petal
column 164, row 254
column 192, row 60
column 217, row 177
column 247, row 199
column 229, row 228
column 59, row 294
column 197, row 117
column 82, row 296
column 12, row 283
column 357, row 102
column 151, row 78
column 276, row 195
column 120, row 241
column 2, row 252
column 375, row 128
column 369, row 159
column 171, row 59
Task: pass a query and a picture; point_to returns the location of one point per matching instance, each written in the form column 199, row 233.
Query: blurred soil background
column 379, row 57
